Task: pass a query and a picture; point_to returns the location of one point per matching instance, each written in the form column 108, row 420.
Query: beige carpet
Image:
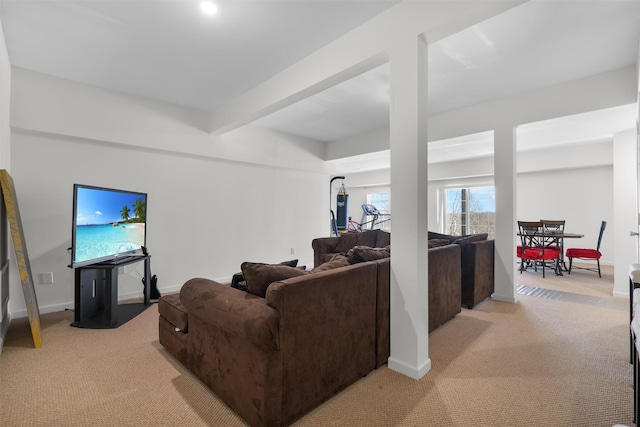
column 540, row 362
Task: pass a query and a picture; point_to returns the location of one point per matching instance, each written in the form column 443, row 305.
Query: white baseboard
column 410, row 371
column 4, row 328
column 69, row 305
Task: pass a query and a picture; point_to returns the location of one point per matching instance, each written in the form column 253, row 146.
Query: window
column 381, row 202
column 470, row 211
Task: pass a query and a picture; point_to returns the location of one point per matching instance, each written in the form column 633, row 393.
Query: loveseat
column 272, row 359
column 477, row 263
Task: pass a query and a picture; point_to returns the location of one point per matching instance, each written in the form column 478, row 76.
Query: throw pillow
column 336, row 262
column 238, row 278
column 364, row 253
column 259, row 276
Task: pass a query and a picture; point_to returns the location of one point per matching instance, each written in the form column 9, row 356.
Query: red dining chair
column 587, row 253
column 535, row 247
column 553, row 226
column 526, row 232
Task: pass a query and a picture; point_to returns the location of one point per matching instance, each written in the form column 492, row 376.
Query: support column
column 504, row 158
column 625, row 211
column 408, row 133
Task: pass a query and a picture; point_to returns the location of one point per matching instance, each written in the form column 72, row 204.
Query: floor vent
column 532, row 291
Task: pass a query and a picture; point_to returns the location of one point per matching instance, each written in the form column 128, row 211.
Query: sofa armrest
column 478, row 272
column 234, row 311
column 328, row 333
column 444, row 284
column 321, row 246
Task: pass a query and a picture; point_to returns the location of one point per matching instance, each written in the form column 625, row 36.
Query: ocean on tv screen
column 98, row 241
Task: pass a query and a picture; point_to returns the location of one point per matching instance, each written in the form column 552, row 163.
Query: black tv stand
column 122, row 260
column 96, row 294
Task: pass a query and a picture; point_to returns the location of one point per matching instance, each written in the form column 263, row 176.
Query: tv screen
column 107, row 224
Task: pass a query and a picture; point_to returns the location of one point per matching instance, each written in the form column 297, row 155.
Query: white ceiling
column 169, row 51
column 537, row 44
column 594, row 126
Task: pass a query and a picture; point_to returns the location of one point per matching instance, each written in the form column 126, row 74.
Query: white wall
column 625, row 196
column 205, row 215
column 581, row 195
column 5, row 150
column 5, row 103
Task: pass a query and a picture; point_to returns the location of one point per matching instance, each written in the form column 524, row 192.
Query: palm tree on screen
column 140, row 209
column 125, row 213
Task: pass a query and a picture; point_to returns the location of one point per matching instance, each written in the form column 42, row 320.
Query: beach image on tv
column 108, row 223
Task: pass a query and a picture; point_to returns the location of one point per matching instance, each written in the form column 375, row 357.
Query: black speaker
column 154, row 293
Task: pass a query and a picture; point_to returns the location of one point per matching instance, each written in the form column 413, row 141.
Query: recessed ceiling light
column 208, row 7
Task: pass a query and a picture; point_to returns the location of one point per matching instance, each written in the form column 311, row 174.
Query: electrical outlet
column 293, row 251
column 46, row 278
column 120, row 270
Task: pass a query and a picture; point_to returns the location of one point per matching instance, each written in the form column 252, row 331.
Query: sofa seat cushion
column 171, row 309
column 231, row 312
column 259, row 276
column 175, row 341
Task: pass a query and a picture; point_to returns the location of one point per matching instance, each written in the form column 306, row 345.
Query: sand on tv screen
column 107, row 223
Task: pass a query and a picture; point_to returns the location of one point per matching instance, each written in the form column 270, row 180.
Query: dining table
column 559, row 240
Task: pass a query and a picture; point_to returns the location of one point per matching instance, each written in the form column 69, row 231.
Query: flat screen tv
column 108, row 225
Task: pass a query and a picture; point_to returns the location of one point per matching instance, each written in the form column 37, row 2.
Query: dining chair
column 553, row 226
column 526, row 232
column 536, row 251
column 587, row 253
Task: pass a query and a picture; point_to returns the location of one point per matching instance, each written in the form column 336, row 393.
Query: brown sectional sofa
column 274, row 359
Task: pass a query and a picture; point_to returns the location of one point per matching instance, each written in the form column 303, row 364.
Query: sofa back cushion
column 434, row 243
column 259, row 276
column 335, row 262
column 346, row 241
column 364, row 253
column 465, row 240
column 383, row 239
column 367, row 238
column 434, row 235
column 370, row 238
